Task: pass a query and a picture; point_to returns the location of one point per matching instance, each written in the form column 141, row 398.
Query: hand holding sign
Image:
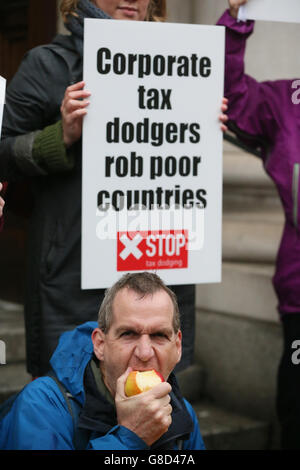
column 73, row 108
column 223, row 118
column 267, row 10
column 234, row 6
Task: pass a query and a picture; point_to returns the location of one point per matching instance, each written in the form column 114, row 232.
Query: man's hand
column 147, row 414
column 234, row 6
column 73, row 108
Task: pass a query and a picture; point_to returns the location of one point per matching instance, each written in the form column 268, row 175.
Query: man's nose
column 144, row 350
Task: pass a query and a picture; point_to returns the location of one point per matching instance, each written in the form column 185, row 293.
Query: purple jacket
column 268, row 110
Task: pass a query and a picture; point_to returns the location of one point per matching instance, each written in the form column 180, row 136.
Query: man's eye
column 159, row 335
column 127, row 333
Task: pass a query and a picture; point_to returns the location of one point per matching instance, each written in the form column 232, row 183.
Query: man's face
column 124, row 9
column 141, row 336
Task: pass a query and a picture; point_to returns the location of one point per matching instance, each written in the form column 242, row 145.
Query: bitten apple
column 141, row 381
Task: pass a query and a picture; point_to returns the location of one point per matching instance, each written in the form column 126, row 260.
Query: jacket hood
column 69, row 360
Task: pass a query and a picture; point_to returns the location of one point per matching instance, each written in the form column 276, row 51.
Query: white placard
column 2, row 99
column 152, row 137
column 271, row 10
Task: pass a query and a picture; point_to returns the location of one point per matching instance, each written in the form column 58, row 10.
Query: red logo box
column 151, row 250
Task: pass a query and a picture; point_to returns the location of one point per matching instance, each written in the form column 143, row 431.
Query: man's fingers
column 165, row 404
column 120, row 387
column 160, row 390
column 165, row 400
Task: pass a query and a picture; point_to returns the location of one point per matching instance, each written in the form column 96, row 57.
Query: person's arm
column 34, row 127
column 52, row 147
column 40, row 420
column 118, row 438
column 251, row 105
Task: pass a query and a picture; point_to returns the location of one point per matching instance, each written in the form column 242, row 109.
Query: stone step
column 13, row 377
column 223, row 430
column 246, row 183
column 240, row 169
column 251, row 236
column 192, row 382
column 13, row 258
column 12, row 331
column 246, row 290
column 10, row 312
column 241, row 357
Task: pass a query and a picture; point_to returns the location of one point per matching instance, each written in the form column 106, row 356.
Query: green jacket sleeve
column 49, row 151
column 32, row 143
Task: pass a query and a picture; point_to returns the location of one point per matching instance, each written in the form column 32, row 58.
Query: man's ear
column 178, row 343
column 98, row 339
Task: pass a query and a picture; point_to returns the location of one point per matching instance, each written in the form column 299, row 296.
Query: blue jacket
column 39, row 418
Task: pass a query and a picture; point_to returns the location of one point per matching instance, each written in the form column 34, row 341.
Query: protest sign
column 2, row 99
column 152, row 152
column 271, row 10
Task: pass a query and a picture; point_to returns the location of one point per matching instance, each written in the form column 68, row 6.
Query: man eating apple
column 138, row 331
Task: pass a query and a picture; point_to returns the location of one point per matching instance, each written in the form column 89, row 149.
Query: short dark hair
column 144, row 283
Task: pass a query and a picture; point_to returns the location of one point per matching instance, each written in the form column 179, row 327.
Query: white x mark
column 131, row 246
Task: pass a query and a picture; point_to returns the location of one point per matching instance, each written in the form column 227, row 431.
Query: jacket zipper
column 295, row 189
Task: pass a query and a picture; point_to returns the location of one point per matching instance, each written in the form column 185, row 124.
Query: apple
column 141, row 381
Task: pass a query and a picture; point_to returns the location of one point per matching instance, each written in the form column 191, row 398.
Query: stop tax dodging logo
column 163, row 249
